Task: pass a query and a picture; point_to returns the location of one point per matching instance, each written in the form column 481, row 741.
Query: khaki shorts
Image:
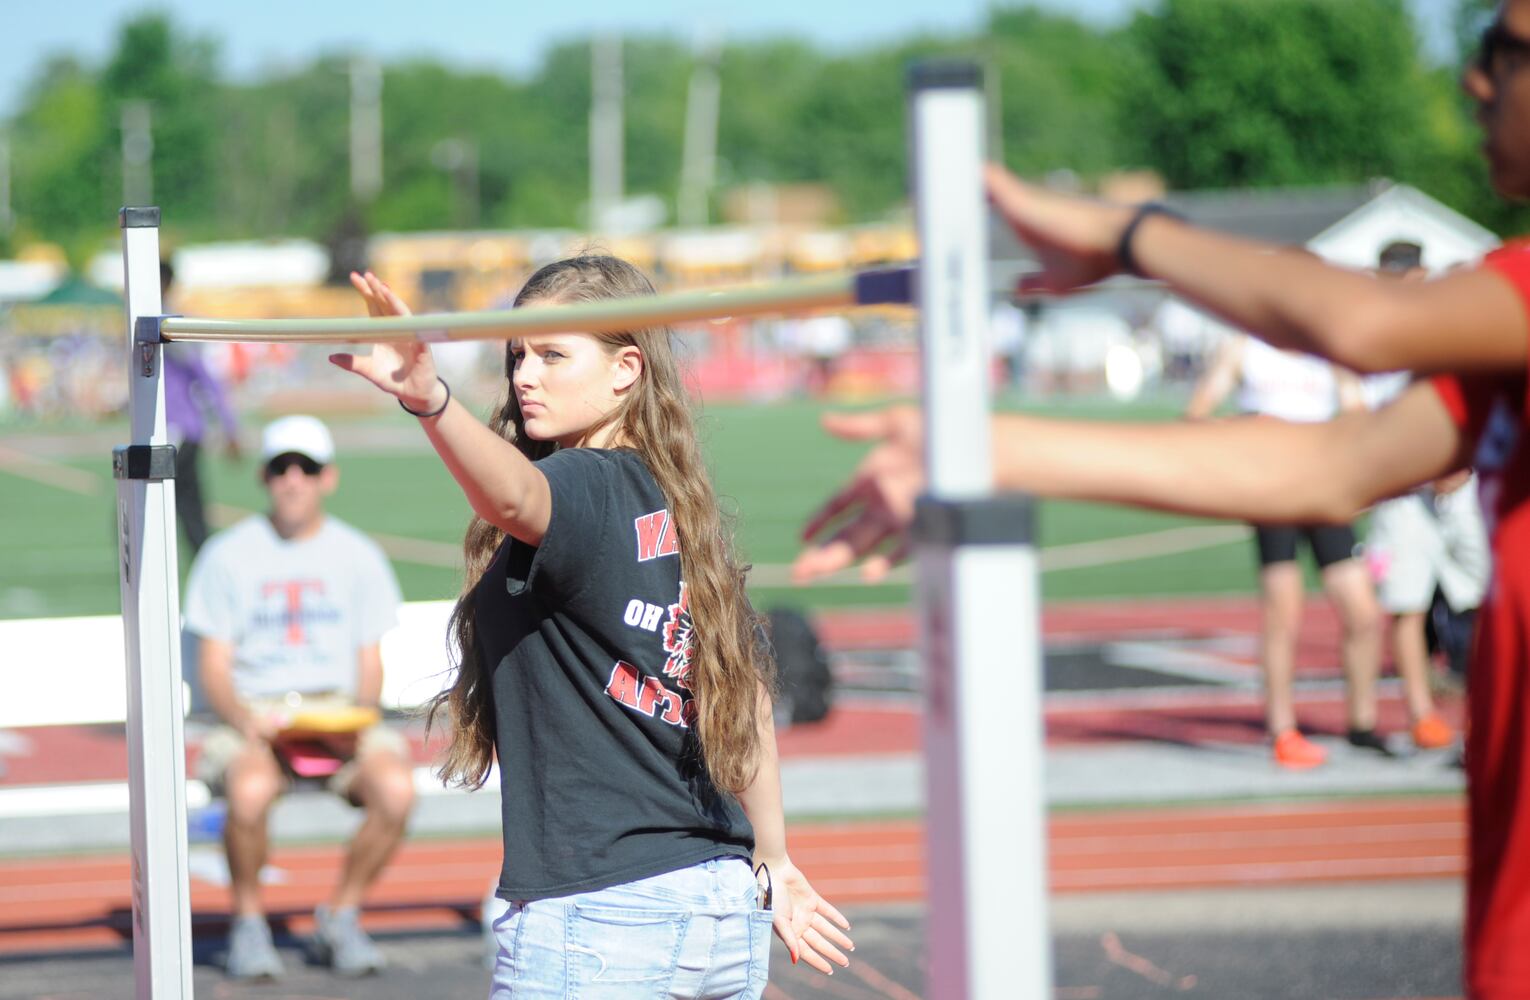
column 225, row 743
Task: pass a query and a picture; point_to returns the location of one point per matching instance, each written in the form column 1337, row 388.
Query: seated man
column 289, row 608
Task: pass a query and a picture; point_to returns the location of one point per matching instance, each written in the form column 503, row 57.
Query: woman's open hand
column 405, row 370
column 811, row 928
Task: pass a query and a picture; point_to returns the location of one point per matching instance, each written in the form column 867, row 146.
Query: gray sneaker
column 251, row 955
column 339, row 940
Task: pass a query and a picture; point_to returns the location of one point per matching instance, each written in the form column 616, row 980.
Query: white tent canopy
column 1403, row 213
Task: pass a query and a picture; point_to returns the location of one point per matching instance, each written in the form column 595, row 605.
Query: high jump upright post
column 986, row 926
column 147, row 568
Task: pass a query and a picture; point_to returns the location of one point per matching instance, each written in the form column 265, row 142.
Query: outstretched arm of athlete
column 809, row 926
column 1245, row 468
column 502, row 485
column 1284, row 296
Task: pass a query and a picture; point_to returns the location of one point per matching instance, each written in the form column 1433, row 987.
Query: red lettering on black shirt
column 656, row 536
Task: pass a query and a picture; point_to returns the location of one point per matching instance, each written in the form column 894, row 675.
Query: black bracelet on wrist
column 437, row 411
column 1124, row 257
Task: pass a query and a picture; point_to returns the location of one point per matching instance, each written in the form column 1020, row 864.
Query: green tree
column 1060, row 84
column 1259, row 92
column 1211, row 93
column 176, row 75
column 1447, row 160
column 61, row 188
column 285, row 166
column 759, row 83
column 67, row 136
column 849, row 130
column 428, row 109
column 1469, row 18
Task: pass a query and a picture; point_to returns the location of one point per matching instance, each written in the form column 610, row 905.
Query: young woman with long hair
column 610, row 661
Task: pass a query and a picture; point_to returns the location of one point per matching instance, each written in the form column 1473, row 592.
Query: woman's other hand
column 811, row 928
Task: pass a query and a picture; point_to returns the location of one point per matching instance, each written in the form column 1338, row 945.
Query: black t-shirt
column 589, row 642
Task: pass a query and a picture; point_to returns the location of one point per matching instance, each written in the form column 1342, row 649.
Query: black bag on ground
column 807, row 686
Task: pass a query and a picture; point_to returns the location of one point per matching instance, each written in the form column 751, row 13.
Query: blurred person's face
column 1496, row 79
column 568, row 384
column 297, row 486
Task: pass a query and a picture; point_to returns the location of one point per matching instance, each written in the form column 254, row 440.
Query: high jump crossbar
column 978, row 594
column 835, row 291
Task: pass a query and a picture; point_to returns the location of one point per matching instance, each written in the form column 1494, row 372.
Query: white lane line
column 53, row 474
column 1069, row 845
column 1170, row 541
column 1376, row 834
column 1074, row 555
column 1260, row 871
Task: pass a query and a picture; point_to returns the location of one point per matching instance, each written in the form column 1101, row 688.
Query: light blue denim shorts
column 694, row 933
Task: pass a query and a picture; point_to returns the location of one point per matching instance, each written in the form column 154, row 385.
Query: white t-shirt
column 1185, row 330
column 1284, row 384
column 1380, row 389
column 295, row 612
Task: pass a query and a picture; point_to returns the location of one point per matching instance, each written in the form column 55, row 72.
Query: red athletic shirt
column 1493, row 412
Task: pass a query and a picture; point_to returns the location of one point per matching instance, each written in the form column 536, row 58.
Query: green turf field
column 771, row 462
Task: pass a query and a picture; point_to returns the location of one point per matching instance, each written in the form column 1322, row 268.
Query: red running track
column 83, row 902
column 60, row 754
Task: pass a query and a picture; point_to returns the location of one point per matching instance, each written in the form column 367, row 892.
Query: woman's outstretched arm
column 502, row 485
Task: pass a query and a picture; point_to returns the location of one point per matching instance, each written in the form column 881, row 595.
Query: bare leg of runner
column 1280, row 588
column 1349, row 587
column 1410, row 651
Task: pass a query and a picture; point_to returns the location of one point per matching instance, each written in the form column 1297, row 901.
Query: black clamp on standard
column 153, row 462
column 147, row 338
column 885, row 286
column 944, row 74
column 146, row 330
column 138, row 217
column 1005, row 519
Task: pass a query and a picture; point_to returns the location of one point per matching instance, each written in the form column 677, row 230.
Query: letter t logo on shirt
column 294, row 612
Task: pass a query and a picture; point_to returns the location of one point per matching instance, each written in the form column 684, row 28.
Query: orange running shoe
column 1293, row 750
column 1432, row 733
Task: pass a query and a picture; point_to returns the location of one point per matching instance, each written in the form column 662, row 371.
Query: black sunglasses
column 279, row 465
column 1497, row 42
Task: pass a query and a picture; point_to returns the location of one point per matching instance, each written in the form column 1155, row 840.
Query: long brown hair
column 727, row 661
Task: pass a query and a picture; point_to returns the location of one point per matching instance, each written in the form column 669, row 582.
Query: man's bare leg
column 252, row 783
column 384, row 787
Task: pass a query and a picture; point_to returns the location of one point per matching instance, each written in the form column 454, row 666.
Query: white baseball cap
column 302, row 434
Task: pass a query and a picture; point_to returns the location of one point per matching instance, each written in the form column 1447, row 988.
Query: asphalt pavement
column 1373, row 941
